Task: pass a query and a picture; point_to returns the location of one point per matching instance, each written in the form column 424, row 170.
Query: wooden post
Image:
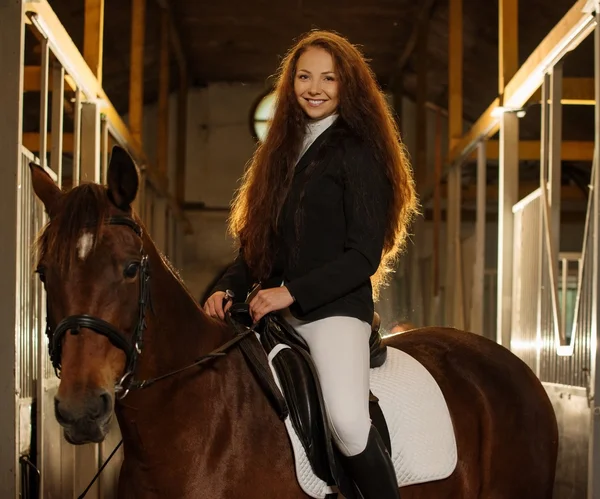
column 136, row 70
column 508, row 42
column 182, row 101
column 455, row 73
column 421, row 128
column 93, row 36
column 162, row 145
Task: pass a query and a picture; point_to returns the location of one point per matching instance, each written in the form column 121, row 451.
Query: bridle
column 73, row 324
column 131, row 347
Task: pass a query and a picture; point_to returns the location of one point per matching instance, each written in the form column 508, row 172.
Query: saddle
column 299, row 393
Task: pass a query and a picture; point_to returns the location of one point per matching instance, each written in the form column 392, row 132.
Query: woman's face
column 316, row 84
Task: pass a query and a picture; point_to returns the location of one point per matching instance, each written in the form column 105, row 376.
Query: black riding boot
column 372, row 470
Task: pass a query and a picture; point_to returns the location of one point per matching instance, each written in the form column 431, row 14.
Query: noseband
column 73, row 324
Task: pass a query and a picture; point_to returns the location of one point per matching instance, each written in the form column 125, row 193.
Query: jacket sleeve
column 367, row 194
column 236, row 278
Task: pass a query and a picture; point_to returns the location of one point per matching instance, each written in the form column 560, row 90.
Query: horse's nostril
column 103, row 406
column 61, row 416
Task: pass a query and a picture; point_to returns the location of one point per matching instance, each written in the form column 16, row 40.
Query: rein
column 132, row 348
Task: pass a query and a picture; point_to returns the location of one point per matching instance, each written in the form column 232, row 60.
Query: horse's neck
column 178, row 331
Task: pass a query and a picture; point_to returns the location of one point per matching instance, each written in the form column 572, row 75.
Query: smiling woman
column 321, row 214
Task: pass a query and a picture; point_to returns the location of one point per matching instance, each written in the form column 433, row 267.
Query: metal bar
column 544, row 132
column 437, row 207
column 507, row 198
column 554, row 154
column 450, row 274
column 476, row 320
column 104, row 150
column 77, row 139
column 563, row 302
column 459, row 299
column 594, row 441
column 12, row 41
column 551, row 254
column 44, row 101
column 58, row 106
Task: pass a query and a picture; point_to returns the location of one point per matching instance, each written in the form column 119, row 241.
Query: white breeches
column 339, row 347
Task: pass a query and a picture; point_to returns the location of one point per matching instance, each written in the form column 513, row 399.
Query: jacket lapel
column 311, row 153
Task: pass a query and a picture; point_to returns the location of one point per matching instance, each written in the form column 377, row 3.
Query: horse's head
column 92, row 264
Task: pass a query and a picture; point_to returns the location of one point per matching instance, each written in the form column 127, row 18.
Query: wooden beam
column 90, row 89
column 176, row 44
column 409, row 48
column 508, row 42
column 93, row 36
column 575, row 92
column 469, row 193
column 162, row 146
column 136, row 68
column 529, row 150
column 468, row 215
column 529, row 77
column 455, row 73
column 31, row 141
column 32, row 79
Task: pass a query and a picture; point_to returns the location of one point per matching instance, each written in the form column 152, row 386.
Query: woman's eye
column 131, row 270
column 41, row 272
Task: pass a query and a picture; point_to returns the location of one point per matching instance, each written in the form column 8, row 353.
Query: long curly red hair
column 258, row 202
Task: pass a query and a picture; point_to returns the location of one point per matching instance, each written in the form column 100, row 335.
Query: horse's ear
column 45, row 188
column 123, row 179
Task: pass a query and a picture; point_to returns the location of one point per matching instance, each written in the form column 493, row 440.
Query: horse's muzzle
column 87, row 420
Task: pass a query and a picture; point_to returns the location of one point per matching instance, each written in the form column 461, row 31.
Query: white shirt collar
column 313, row 130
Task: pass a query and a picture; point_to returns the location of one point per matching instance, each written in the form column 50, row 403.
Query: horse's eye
column 41, row 271
column 131, row 270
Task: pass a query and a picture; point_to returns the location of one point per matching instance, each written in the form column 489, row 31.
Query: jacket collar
column 311, row 153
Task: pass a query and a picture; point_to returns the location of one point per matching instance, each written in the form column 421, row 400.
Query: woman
column 321, row 214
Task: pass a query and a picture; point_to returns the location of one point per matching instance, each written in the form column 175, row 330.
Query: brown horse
column 210, row 432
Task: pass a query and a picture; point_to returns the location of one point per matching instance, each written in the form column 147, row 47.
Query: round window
column 262, row 116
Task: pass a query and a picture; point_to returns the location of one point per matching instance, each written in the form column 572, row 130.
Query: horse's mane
column 84, row 207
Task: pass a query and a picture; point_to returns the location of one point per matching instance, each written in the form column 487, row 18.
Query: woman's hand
column 214, row 305
column 269, row 300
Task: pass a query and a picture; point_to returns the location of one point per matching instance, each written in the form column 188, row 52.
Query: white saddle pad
column 421, row 430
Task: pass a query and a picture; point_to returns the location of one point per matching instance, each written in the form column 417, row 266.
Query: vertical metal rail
column 104, row 149
column 12, row 41
column 58, row 104
column 477, row 299
column 44, row 68
column 508, row 182
column 77, row 139
column 594, row 441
